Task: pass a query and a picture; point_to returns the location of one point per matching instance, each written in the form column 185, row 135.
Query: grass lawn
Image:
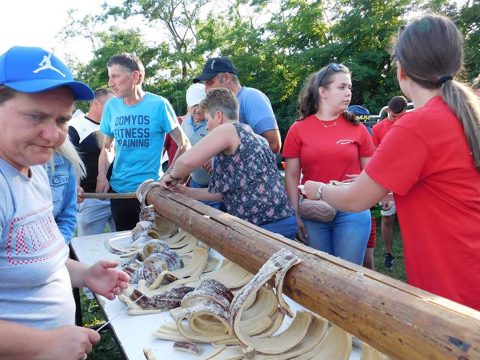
column 398, row 271
column 108, row 349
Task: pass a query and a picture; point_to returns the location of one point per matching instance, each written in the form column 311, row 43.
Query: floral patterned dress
column 249, row 181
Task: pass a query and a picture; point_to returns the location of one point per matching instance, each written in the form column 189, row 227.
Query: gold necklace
column 332, row 123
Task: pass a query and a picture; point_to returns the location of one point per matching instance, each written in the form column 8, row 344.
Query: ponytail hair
column 430, row 50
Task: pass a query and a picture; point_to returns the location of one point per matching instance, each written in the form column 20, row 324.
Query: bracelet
column 319, row 192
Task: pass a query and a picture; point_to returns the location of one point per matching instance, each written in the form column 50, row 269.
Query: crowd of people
column 423, row 165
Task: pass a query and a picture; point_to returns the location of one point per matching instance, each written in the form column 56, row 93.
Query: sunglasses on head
column 334, row 67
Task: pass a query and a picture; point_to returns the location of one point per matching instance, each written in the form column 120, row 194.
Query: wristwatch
column 319, row 192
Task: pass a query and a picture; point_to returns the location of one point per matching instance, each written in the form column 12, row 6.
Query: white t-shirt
column 35, row 287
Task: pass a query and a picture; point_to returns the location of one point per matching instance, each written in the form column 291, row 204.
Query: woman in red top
column 430, row 160
column 327, row 144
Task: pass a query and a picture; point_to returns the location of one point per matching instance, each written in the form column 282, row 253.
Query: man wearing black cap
column 255, row 107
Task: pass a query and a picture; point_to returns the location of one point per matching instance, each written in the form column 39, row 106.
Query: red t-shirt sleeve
column 399, row 160
column 376, row 136
column 293, row 143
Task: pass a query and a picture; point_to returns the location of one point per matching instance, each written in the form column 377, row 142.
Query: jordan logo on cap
column 46, row 64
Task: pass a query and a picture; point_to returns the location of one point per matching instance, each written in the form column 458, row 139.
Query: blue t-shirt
column 139, row 132
column 256, row 110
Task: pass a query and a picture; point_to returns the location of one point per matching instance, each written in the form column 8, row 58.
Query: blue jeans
column 286, row 227
column 346, row 236
column 215, row 204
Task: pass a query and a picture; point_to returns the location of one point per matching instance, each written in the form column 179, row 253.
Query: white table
column 134, row 333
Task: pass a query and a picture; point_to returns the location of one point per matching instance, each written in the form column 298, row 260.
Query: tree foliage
column 275, row 45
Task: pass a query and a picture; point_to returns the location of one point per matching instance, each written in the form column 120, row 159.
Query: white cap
column 195, row 94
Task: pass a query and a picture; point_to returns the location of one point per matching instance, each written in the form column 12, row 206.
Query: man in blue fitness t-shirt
column 138, row 121
column 254, row 106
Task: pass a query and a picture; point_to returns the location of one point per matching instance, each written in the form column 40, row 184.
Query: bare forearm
column 362, row 194
column 20, row 342
column 202, row 194
column 103, row 163
column 291, row 183
column 77, row 272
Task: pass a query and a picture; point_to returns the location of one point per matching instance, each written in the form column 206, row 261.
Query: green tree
column 468, row 20
column 177, row 17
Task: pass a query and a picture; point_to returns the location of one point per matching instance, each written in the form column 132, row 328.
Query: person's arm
column 19, row 342
column 66, row 219
column 292, row 179
column 102, row 278
column 201, row 194
column 362, row 194
column 103, row 164
column 274, row 140
column 364, row 161
column 222, row 138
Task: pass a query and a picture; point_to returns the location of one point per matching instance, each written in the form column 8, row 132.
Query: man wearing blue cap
column 254, row 106
column 37, row 94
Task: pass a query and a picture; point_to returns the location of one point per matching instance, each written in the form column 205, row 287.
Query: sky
column 37, row 23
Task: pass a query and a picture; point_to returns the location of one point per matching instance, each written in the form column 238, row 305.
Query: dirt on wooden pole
column 397, row 319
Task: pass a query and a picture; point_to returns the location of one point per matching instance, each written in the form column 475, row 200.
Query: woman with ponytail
column 430, row 160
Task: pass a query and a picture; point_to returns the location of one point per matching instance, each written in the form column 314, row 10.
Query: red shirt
column 425, row 160
column 327, row 152
column 170, row 146
column 380, row 130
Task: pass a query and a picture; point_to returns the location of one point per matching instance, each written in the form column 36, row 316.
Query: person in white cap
column 195, row 127
column 37, row 94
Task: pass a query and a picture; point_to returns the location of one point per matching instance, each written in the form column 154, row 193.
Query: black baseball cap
column 216, row 65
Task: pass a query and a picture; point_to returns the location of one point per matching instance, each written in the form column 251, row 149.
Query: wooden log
column 397, row 319
column 130, row 195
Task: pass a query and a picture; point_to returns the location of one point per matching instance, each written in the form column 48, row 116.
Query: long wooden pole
column 395, row 318
column 130, row 195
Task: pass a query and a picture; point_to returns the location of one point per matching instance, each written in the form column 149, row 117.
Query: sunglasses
column 334, row 67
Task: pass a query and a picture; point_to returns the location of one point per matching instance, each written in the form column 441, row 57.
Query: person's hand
column 167, row 183
column 80, row 195
column 387, row 198
column 301, row 232
column 68, row 343
column 181, row 189
column 310, row 189
column 102, row 184
column 386, row 204
column 105, row 279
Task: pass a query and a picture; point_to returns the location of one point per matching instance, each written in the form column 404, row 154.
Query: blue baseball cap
column 360, row 112
column 33, row 69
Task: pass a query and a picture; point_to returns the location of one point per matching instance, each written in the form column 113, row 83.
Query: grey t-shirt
column 35, row 287
column 194, row 135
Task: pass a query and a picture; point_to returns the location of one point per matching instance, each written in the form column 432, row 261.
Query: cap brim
column 204, row 76
column 80, row 90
